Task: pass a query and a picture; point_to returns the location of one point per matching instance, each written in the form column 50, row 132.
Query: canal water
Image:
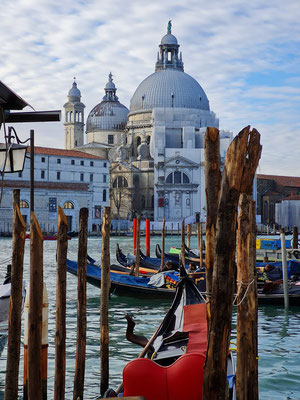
column 278, row 341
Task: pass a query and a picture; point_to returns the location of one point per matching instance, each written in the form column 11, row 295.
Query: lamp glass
column 12, row 158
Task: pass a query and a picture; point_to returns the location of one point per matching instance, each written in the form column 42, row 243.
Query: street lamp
column 12, row 157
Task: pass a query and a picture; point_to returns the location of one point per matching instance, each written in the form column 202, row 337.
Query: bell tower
column 74, row 118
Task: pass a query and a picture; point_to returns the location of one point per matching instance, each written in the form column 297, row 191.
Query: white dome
column 169, row 88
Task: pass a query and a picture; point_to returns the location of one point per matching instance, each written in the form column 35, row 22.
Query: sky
column 245, row 55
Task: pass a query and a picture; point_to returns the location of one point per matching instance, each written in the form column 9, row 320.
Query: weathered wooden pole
column 212, row 191
column 188, row 235
column 200, row 242
column 148, row 237
column 138, row 242
column 162, row 259
column 15, row 306
column 295, row 237
column 284, row 269
column 61, row 290
column 104, row 301
column 247, row 364
column 134, row 235
column 35, row 311
column 240, row 165
column 44, row 360
column 182, row 253
column 81, row 305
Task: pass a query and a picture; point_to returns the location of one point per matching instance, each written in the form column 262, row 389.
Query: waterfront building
column 66, row 178
column 156, row 148
column 278, row 200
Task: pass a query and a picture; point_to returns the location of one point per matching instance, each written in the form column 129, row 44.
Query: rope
column 241, row 283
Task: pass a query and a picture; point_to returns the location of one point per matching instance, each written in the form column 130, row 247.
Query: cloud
column 244, row 55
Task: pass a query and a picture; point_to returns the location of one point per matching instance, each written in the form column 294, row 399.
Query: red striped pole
column 134, row 236
column 148, row 237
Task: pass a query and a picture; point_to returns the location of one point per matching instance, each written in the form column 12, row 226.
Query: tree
column 118, row 193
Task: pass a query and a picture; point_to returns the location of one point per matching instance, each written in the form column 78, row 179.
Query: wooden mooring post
column 33, row 359
column 212, row 190
column 295, row 237
column 284, row 269
column 241, row 162
column 200, row 242
column 188, row 235
column 61, row 290
column 182, row 253
column 15, row 306
column 162, row 259
column 104, row 301
column 81, row 305
column 247, row 308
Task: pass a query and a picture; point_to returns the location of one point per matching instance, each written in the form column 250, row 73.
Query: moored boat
column 175, row 354
column 5, row 289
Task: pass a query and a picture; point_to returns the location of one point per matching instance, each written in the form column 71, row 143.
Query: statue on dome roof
column 169, row 26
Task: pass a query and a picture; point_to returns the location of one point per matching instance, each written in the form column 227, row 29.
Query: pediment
column 119, row 167
column 179, row 161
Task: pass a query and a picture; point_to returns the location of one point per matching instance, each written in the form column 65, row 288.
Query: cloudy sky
column 245, row 55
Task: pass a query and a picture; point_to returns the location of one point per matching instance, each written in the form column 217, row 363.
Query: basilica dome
column 169, row 85
column 169, row 88
column 110, row 114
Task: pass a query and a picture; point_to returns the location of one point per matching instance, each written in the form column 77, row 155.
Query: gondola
column 175, row 354
column 174, row 258
column 122, row 283
column 147, row 263
column 5, row 290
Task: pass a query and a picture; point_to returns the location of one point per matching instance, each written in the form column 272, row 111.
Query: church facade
column 156, row 148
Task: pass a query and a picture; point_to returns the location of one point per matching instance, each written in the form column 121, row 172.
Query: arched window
column 24, row 204
column 104, row 195
column 185, row 178
column 120, row 181
column 177, row 177
column 68, row 205
column 148, row 140
column 138, row 141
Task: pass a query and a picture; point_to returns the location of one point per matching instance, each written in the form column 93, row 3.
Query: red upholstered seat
column 181, row 380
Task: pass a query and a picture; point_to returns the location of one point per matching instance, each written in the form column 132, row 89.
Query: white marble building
column 177, row 147
column 158, row 144
column 66, row 178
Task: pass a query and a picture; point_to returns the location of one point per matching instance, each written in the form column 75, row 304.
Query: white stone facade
column 177, row 147
column 66, row 178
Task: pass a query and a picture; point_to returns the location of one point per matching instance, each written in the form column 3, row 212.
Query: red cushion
column 195, row 323
column 181, row 380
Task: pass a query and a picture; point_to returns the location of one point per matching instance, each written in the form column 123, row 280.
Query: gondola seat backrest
column 181, row 380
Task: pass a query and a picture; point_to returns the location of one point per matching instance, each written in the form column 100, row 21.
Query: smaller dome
column 110, row 85
column 107, row 116
column 74, row 92
column 169, row 39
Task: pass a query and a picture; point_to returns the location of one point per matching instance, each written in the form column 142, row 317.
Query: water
column 279, row 331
